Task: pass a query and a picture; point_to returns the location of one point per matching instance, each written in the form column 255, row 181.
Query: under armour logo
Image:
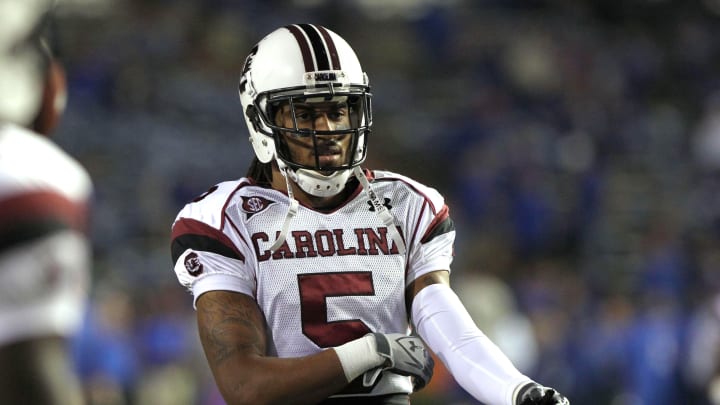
column 386, row 203
column 414, row 346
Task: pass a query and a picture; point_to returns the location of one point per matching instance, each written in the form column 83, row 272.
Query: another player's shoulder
column 30, row 160
column 413, row 186
column 22, row 145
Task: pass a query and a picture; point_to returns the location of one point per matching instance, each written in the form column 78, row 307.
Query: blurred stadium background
column 577, row 142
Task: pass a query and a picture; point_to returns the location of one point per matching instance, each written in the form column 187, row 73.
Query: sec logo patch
column 254, row 204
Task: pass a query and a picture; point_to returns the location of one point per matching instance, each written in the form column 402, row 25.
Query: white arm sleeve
column 475, row 362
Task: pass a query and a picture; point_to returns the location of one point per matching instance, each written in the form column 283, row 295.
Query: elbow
column 248, row 394
column 243, row 394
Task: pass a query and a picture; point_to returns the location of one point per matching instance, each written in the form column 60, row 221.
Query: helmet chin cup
column 320, row 185
column 315, row 183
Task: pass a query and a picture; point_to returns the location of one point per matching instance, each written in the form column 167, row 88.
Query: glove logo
column 413, row 349
column 406, row 355
column 414, row 346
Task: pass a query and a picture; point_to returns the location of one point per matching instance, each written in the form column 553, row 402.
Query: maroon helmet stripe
column 331, row 47
column 318, row 46
column 304, row 47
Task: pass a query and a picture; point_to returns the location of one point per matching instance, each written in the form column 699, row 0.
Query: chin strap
column 381, row 211
column 292, row 210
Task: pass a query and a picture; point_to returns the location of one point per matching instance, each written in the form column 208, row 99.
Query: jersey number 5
column 314, row 291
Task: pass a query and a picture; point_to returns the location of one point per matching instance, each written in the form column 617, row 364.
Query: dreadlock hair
column 54, row 96
column 260, row 172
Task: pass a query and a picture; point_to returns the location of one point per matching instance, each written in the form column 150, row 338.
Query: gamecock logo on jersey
column 253, row 205
column 193, row 265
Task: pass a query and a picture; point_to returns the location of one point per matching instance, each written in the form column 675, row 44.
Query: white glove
column 404, row 355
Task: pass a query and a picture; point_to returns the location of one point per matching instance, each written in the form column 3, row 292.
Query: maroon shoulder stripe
column 48, row 204
column 442, row 223
column 188, row 233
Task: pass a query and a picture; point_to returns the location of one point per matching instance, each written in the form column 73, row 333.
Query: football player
column 44, row 250
column 316, row 280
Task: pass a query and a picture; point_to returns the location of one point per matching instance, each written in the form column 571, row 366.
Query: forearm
column 232, row 332
column 303, row 380
column 475, row 362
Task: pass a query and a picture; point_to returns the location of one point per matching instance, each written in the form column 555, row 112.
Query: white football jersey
column 338, row 275
column 44, row 249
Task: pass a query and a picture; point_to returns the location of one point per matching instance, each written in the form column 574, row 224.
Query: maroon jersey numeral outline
column 315, row 289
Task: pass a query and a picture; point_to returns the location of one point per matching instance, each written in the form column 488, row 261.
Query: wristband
column 358, row 356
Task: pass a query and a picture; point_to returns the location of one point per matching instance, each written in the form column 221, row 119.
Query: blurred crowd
column 577, row 144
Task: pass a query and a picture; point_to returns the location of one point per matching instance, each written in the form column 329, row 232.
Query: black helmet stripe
column 331, row 47
column 317, row 47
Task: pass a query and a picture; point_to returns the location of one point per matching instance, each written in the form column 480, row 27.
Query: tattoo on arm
column 230, row 324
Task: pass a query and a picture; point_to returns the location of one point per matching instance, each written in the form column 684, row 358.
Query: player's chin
column 332, row 160
column 329, row 161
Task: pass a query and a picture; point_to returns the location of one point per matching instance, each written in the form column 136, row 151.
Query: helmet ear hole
column 261, row 141
column 254, row 116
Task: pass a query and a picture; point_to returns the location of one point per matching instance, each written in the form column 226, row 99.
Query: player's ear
column 54, row 99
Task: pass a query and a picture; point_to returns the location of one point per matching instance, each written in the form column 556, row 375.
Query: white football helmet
column 300, row 64
column 21, row 63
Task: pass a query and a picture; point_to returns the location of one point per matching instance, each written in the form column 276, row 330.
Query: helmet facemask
column 307, row 128
column 319, row 133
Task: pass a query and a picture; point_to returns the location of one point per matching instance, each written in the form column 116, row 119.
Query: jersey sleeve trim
column 220, row 282
column 192, row 234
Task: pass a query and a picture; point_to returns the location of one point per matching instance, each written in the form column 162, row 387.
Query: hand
column 535, row 394
column 405, row 355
